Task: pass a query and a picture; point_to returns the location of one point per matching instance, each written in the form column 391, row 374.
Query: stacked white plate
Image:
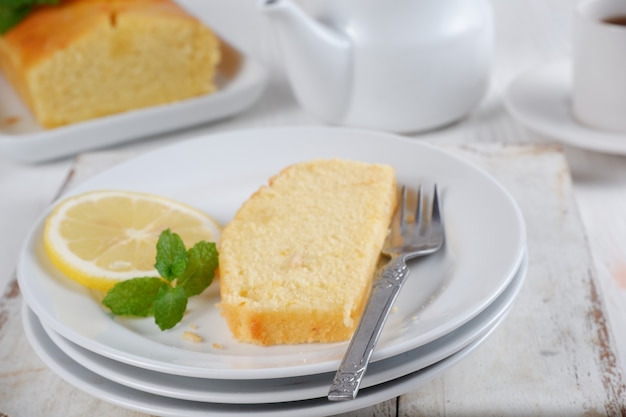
column 452, row 301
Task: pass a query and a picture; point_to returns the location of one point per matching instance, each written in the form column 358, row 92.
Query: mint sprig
column 184, row 273
column 13, row 11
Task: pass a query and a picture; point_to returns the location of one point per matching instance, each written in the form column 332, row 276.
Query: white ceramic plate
column 217, row 173
column 114, row 393
column 296, row 388
column 540, row 98
column 23, row 139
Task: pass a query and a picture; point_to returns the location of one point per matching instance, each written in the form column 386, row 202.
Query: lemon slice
column 102, row 237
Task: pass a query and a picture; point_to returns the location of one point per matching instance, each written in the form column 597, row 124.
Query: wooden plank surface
column 553, row 355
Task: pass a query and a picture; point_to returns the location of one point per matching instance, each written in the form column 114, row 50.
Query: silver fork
column 411, row 236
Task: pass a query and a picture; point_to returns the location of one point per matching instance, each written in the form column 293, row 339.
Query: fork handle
column 345, row 385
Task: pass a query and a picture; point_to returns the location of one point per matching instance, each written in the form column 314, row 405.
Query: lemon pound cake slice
column 82, row 59
column 298, row 259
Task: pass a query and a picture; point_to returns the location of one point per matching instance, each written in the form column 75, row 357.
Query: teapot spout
column 318, row 59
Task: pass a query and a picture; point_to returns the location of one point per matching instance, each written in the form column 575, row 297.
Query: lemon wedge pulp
column 102, row 237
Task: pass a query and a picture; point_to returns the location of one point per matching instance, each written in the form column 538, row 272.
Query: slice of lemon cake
column 297, row 260
column 82, row 59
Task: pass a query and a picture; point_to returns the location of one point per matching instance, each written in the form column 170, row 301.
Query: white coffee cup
column 599, row 64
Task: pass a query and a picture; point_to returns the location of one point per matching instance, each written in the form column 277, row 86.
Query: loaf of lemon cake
column 82, row 59
column 297, row 260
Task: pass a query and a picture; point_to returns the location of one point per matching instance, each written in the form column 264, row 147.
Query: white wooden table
column 562, row 350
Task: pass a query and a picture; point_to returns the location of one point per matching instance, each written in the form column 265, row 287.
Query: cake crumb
column 192, row 337
column 394, row 310
column 193, row 326
column 11, row 120
column 217, row 345
column 296, row 261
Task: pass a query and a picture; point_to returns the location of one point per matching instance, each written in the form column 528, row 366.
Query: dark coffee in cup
column 617, row 20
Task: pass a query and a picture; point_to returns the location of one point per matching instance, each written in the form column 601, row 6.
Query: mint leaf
column 134, row 297
column 13, row 4
column 13, row 11
column 169, row 306
column 10, row 17
column 171, row 257
column 202, row 261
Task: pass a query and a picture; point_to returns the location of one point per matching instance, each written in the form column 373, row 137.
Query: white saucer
column 117, row 394
column 296, row 388
column 540, row 98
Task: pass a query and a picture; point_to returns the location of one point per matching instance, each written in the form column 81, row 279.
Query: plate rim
column 261, row 373
column 239, row 93
column 481, row 326
column 306, row 408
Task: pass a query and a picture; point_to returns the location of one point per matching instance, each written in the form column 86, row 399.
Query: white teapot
column 393, row 65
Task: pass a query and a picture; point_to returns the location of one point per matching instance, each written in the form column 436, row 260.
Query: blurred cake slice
column 83, row 59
